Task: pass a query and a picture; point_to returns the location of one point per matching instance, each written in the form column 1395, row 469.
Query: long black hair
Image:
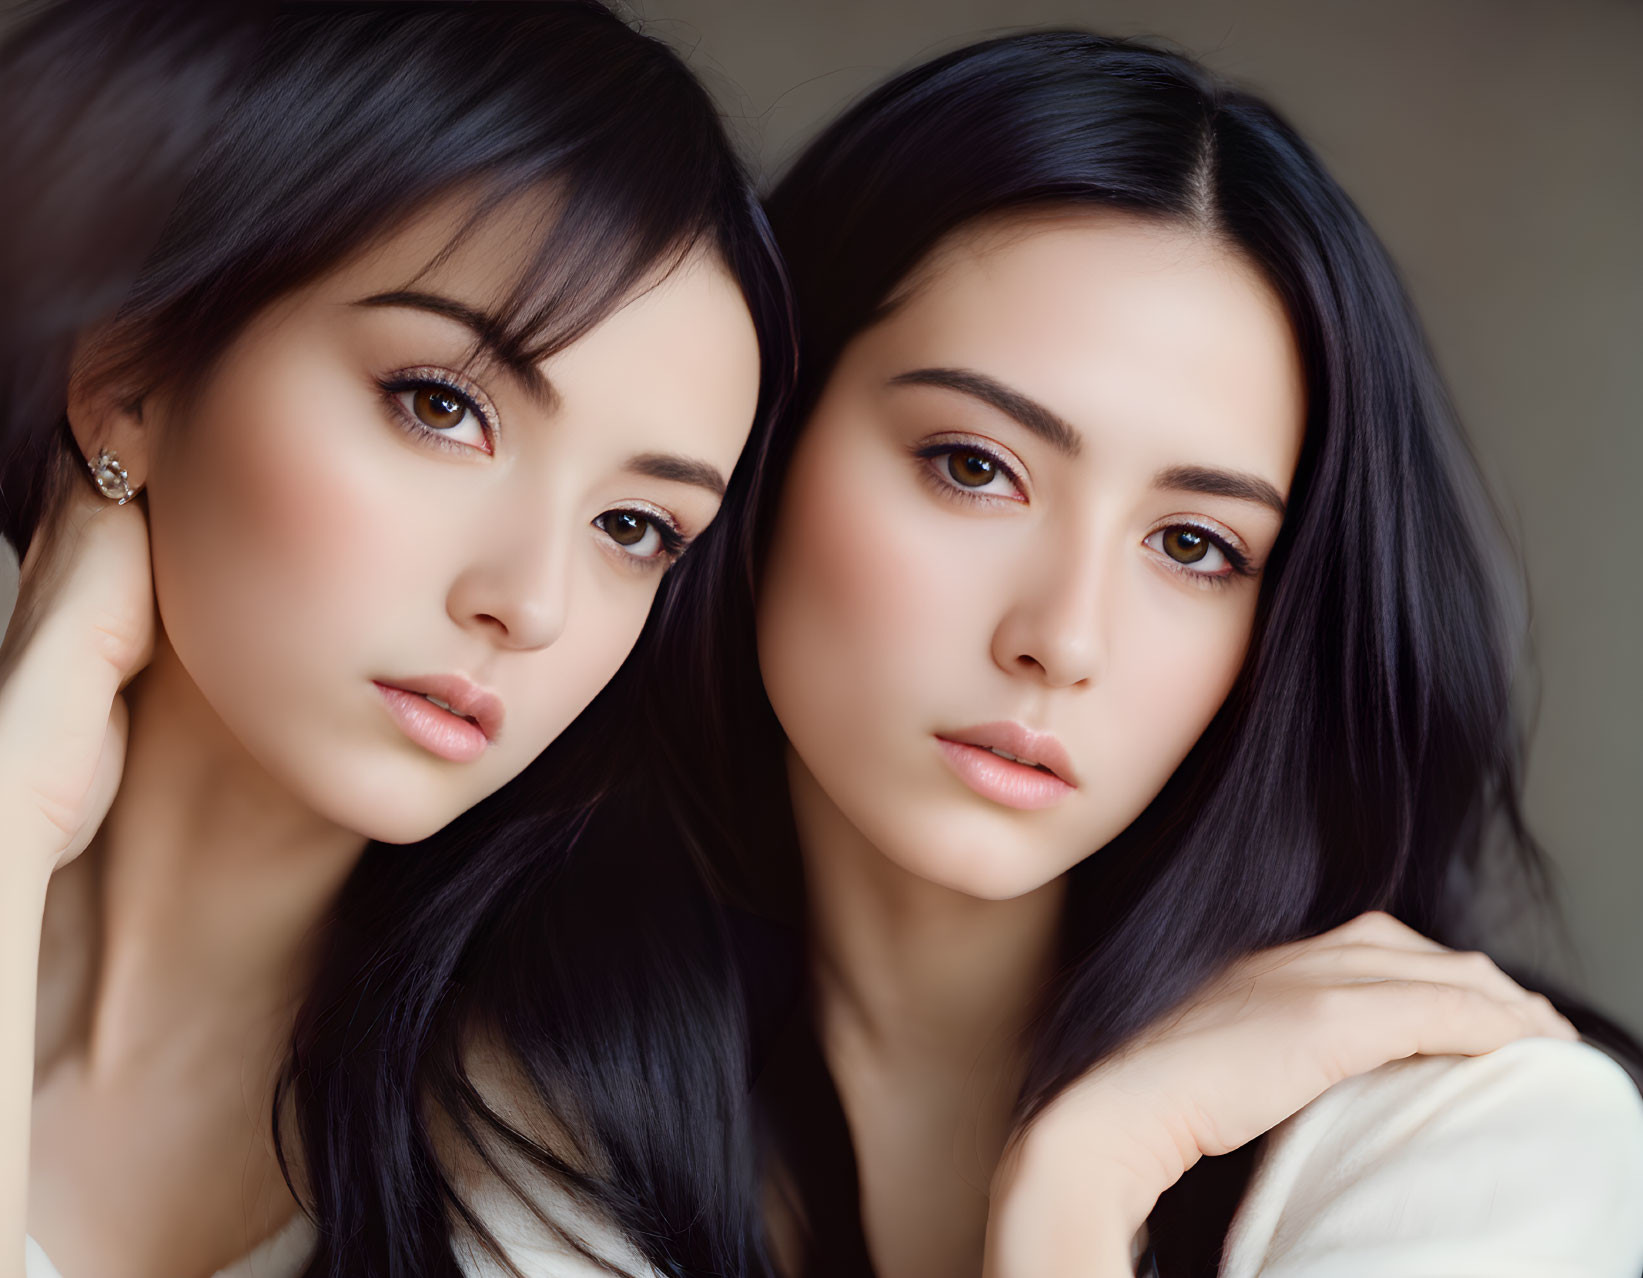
column 177, row 169
column 1367, row 756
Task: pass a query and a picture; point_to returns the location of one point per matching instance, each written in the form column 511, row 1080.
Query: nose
column 517, row 591
column 1053, row 629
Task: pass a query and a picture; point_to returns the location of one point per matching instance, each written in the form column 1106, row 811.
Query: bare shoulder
column 543, row 1229
column 1525, row 1161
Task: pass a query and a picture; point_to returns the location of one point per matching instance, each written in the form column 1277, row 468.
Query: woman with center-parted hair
column 1117, row 696
column 368, row 370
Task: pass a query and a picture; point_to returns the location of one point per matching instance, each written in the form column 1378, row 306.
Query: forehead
column 1125, row 327
column 484, row 255
column 687, row 326
column 480, row 255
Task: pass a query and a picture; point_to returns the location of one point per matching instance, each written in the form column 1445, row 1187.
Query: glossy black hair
column 1367, row 757
column 179, row 168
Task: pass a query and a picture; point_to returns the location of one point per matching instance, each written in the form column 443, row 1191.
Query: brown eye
column 650, row 539
column 973, row 470
column 1185, row 545
column 438, row 408
column 626, row 528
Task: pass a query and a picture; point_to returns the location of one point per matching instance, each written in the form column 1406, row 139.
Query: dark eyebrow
column 1221, row 483
column 1012, row 403
column 684, row 470
column 488, row 329
column 1056, row 432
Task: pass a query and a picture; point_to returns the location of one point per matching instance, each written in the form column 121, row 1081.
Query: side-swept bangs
column 354, row 118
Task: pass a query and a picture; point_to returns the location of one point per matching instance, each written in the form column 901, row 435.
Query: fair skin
column 326, row 521
column 1030, row 513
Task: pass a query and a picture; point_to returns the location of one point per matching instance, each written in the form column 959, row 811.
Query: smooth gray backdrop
column 1496, row 145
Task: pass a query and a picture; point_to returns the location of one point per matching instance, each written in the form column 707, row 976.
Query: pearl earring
column 110, row 477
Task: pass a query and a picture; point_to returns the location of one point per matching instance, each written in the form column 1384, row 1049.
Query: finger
column 1443, row 967
column 1556, row 1024
column 56, row 531
column 1314, row 954
column 1376, row 927
column 1409, row 1018
column 90, row 591
column 105, row 781
column 1469, row 968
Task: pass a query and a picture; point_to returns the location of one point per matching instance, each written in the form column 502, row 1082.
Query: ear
column 103, row 413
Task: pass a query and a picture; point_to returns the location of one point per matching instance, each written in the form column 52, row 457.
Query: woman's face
column 1029, row 514
column 354, row 512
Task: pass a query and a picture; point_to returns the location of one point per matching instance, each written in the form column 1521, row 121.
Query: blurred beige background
column 1497, row 145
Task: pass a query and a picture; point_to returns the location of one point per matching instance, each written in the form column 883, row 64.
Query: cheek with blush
column 854, row 606
column 289, row 535
column 874, row 619
column 1174, row 662
column 278, row 525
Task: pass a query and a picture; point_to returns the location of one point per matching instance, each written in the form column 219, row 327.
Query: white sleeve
column 36, row 1264
column 1524, row 1163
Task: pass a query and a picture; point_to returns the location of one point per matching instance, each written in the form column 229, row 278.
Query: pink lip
column 969, row 753
column 448, row 733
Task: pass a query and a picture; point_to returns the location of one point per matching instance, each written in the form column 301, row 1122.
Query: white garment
column 534, row 1250
column 516, row 1228
column 1525, row 1163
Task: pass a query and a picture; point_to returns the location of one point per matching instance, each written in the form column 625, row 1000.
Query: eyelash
column 1238, row 562
column 415, row 379
column 949, row 486
column 674, row 541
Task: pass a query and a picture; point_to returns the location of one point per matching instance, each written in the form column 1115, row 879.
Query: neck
column 908, row 970
column 204, row 890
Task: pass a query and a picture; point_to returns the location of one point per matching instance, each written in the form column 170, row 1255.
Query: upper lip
column 463, row 695
column 1032, row 747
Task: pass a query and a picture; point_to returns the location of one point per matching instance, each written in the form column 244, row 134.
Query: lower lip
column 1015, row 785
column 437, row 731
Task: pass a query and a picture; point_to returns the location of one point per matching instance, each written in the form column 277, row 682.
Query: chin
column 396, row 828
column 997, row 871
column 381, row 823
column 383, row 805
